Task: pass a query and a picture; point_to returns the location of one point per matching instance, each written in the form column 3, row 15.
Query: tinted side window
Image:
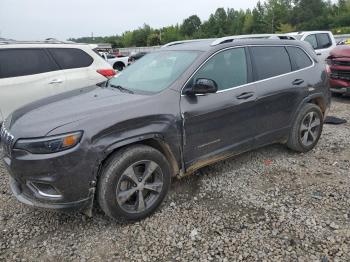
column 270, row 61
column 323, row 41
column 299, row 58
column 228, row 69
column 22, row 62
column 312, row 40
column 69, row 58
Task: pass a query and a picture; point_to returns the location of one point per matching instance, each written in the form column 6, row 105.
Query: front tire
column 306, row 129
column 133, row 183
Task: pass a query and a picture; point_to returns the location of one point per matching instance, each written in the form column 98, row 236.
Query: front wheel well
column 152, row 142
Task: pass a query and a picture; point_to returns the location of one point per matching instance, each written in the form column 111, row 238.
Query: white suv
column 322, row 41
column 30, row 71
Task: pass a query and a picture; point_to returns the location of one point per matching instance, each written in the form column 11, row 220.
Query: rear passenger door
column 75, row 64
column 26, row 75
column 281, row 84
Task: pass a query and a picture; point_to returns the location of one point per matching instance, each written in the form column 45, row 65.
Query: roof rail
column 6, row 41
column 229, row 39
column 184, row 42
column 46, row 41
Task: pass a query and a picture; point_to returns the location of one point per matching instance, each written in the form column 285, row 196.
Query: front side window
column 228, row 69
column 155, row 72
column 69, row 58
column 23, row 62
column 311, row 39
column 323, row 41
column 270, row 61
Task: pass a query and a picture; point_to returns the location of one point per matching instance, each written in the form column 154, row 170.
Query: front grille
column 6, row 140
column 340, row 74
column 341, row 63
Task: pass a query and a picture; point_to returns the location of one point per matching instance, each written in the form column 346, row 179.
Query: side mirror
column 203, row 86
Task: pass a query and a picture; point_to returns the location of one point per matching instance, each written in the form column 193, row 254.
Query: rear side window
column 323, row 41
column 69, row 58
column 270, row 61
column 228, row 69
column 23, row 62
column 298, row 58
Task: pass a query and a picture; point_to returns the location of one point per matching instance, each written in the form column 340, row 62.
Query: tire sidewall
column 112, row 174
column 301, row 117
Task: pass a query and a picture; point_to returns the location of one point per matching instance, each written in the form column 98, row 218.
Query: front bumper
column 80, row 205
column 340, row 86
column 341, row 90
column 64, row 181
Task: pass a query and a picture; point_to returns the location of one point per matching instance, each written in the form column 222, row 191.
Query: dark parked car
column 176, row 110
column 339, row 65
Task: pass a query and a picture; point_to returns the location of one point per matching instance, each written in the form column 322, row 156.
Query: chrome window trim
column 254, row 82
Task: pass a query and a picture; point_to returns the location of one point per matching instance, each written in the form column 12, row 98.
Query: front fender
column 128, row 141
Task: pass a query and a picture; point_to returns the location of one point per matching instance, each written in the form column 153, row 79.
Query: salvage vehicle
column 30, row 71
column 339, row 66
column 176, row 110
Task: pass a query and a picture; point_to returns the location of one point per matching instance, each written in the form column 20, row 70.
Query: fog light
column 45, row 190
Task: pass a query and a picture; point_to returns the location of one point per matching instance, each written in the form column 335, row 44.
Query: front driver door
column 224, row 122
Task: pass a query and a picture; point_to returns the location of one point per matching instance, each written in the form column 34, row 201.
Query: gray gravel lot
column 267, row 205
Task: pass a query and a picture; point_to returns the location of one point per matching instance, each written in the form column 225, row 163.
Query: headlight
column 50, row 144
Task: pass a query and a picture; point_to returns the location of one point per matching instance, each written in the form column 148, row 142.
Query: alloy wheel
column 310, row 129
column 139, row 186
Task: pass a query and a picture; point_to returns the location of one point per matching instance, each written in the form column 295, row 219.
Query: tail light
column 109, row 73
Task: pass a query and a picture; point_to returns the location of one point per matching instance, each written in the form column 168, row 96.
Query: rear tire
column 306, row 129
column 133, row 183
column 119, row 66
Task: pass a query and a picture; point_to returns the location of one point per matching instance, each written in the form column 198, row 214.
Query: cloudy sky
column 61, row 19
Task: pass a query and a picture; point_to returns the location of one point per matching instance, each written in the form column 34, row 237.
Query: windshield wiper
column 122, row 89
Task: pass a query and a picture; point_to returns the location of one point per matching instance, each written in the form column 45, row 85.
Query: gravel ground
column 267, row 205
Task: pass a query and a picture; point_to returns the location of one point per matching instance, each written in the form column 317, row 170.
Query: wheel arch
column 320, row 102
column 316, row 99
column 119, row 63
column 155, row 141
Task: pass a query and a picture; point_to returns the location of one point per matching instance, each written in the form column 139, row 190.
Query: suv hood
column 39, row 118
column 340, row 51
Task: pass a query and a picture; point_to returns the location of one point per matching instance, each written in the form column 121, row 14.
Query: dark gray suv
column 172, row 112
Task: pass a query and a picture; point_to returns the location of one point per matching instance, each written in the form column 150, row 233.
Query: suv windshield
column 155, row 72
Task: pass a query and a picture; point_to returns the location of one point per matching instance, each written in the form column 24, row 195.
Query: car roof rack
column 185, row 42
column 229, row 39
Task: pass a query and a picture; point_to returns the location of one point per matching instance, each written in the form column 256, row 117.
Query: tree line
column 271, row 16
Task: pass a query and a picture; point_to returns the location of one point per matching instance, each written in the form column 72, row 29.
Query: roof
column 307, row 32
column 47, row 41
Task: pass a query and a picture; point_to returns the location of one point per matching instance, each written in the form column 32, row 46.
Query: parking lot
column 270, row 204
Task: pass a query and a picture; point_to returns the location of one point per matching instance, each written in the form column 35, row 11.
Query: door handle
column 56, row 81
column 297, row 82
column 244, row 96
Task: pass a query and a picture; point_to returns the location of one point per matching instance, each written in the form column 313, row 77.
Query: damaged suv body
column 174, row 111
column 339, row 65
